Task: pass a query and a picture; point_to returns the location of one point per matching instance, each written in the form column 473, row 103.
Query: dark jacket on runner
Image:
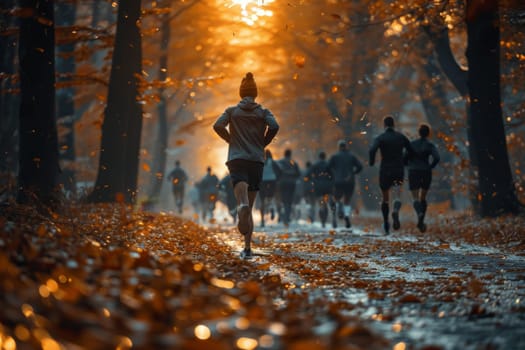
column 251, row 128
column 289, row 170
column 391, row 144
column 423, row 150
column 209, row 187
column 178, row 178
column 321, row 176
column 344, row 165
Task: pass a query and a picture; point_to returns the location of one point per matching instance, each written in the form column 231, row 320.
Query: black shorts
column 178, row 190
column 323, row 189
column 267, row 189
column 419, row 179
column 343, row 189
column 246, row 171
column 390, row 177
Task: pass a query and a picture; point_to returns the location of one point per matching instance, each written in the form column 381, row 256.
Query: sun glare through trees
column 252, row 11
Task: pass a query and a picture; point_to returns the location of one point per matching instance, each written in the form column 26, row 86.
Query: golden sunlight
column 252, row 10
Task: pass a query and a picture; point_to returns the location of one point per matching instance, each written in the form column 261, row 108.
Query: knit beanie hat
column 248, row 86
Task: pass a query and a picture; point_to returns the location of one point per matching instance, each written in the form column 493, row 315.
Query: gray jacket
column 250, row 128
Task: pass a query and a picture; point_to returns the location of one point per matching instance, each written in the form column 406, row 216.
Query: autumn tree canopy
column 329, row 70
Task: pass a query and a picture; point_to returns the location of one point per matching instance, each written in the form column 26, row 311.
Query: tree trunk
column 38, row 163
column 119, row 153
column 161, row 144
column 496, row 190
column 66, row 14
column 9, row 100
column 441, row 42
column 458, row 77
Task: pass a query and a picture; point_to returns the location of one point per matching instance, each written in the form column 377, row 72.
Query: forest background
column 106, row 95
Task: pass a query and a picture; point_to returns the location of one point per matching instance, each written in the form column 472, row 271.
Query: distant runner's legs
column 323, row 209
column 385, row 209
column 418, row 184
column 347, row 198
column 396, row 194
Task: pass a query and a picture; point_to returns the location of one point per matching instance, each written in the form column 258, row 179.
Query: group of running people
column 396, row 153
column 248, row 128
column 326, row 185
column 204, row 194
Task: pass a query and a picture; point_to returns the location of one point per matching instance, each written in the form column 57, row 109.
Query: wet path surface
column 415, row 290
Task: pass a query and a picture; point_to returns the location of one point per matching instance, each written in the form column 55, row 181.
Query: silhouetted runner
column 322, row 179
column 271, row 173
column 420, row 172
column 248, row 128
column 344, row 166
column 178, row 179
column 391, row 145
column 286, row 185
column 208, row 193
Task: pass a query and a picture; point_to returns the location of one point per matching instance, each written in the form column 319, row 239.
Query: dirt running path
column 433, row 289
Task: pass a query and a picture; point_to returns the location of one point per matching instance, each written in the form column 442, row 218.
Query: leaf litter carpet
column 108, row 277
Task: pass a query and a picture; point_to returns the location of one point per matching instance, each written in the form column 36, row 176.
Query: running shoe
column 246, row 254
column 386, row 227
column 421, row 226
column 347, row 222
column 395, row 218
